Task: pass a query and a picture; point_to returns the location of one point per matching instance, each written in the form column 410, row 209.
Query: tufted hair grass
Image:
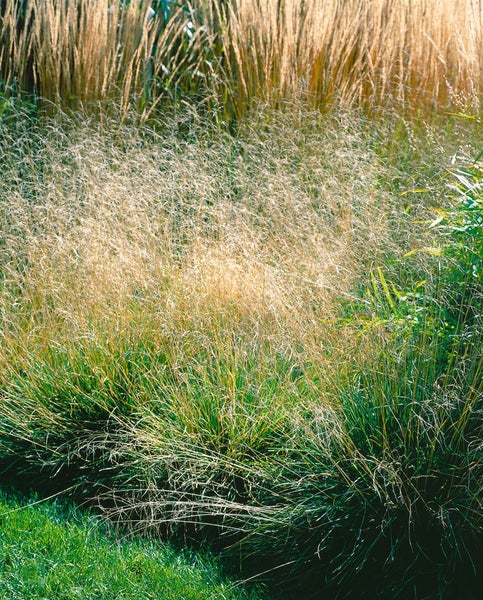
column 195, row 337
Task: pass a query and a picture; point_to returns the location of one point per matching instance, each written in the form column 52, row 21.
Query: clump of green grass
column 50, row 550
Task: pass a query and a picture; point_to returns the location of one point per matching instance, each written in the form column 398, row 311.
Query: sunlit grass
column 267, row 341
column 412, row 56
column 50, row 550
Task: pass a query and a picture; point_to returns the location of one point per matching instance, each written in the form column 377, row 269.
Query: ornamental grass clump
column 140, row 287
column 219, row 339
column 424, row 53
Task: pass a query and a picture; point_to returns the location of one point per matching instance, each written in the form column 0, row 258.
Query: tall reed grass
column 87, row 52
column 228, row 53
column 367, row 53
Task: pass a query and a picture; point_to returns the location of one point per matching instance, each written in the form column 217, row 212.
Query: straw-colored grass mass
column 411, row 55
column 271, row 224
column 356, row 52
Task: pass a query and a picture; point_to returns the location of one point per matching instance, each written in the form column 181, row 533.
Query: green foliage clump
column 381, row 490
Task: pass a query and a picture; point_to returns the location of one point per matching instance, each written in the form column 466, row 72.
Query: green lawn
column 49, row 550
